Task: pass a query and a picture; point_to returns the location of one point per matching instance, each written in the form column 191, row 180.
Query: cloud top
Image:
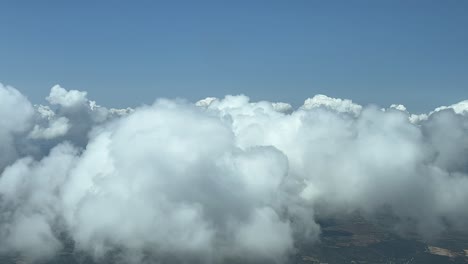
column 219, row 179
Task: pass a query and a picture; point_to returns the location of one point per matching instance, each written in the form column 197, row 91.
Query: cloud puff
column 57, row 127
column 16, row 113
column 459, row 108
column 377, row 159
column 335, row 104
column 220, row 179
column 62, row 97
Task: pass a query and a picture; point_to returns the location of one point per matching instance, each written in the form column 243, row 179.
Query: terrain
column 355, row 240
column 350, row 239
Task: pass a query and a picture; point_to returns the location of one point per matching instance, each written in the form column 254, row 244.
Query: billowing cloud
column 56, row 128
column 64, row 98
column 459, row 108
column 335, row 104
column 16, row 113
column 220, row 179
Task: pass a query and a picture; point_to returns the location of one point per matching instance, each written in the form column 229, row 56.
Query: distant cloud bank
column 220, row 178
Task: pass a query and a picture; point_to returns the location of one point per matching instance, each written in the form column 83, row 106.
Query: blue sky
column 125, row 53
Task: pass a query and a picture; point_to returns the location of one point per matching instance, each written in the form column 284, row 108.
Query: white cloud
column 398, row 107
column 459, row 108
column 64, row 98
column 335, row 104
column 221, row 178
column 16, row 111
column 282, row 107
column 16, row 115
column 44, row 111
column 206, row 102
column 57, row 127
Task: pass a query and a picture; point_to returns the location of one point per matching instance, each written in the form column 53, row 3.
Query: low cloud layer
column 219, row 179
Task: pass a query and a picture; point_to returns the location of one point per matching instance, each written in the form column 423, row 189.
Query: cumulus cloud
column 459, row 108
column 335, row 104
column 16, row 113
column 62, row 97
column 57, row 127
column 220, row 179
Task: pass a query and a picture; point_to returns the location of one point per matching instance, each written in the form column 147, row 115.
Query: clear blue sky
column 131, row 52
